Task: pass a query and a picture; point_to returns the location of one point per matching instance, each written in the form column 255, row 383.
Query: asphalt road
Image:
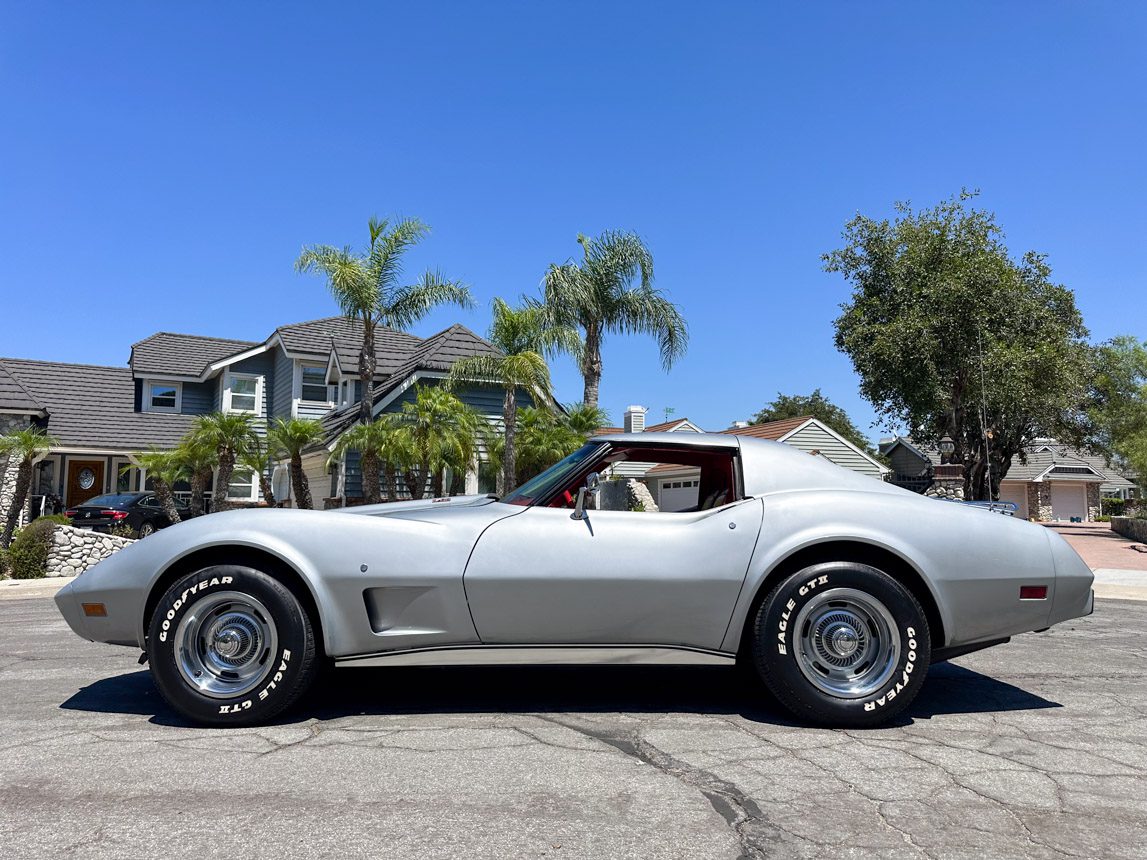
column 1034, row 749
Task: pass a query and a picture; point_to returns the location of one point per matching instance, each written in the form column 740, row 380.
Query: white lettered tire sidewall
column 289, row 671
column 776, row 641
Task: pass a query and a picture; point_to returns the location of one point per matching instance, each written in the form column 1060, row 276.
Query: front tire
column 231, row 646
column 842, row 644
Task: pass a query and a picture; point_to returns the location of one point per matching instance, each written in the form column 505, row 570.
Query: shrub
column 1103, row 518
column 1112, row 507
column 28, row 555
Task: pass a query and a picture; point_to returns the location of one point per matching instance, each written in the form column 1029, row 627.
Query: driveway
column 1033, row 749
column 1100, row 547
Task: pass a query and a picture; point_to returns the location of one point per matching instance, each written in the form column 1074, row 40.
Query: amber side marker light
column 1033, row 592
column 94, row 610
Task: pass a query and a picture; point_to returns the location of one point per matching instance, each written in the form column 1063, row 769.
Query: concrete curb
column 15, row 589
column 1121, row 584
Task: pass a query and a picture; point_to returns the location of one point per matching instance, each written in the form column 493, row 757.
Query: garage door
column 677, row 494
column 1017, row 494
column 1068, row 500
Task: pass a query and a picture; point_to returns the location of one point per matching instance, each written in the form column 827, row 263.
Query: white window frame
column 148, row 406
column 227, row 407
column 299, row 365
column 253, row 496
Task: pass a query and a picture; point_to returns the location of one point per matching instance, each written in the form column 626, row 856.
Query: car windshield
column 554, row 478
column 114, row 500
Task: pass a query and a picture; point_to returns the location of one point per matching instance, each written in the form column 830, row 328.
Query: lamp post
column 947, row 447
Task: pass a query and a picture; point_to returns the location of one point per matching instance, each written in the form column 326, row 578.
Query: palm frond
column 411, row 303
column 386, row 250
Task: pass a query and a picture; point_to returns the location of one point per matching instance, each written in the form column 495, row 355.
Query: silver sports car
column 838, row 590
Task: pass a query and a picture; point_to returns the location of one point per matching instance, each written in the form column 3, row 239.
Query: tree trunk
column 371, row 488
column 219, row 500
column 416, row 481
column 23, row 483
column 166, row 498
column 266, row 489
column 510, row 419
column 198, row 482
column 300, row 483
column 366, row 363
column 436, row 488
column 591, row 365
column 391, row 482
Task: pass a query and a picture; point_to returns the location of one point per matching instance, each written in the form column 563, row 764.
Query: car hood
column 387, row 509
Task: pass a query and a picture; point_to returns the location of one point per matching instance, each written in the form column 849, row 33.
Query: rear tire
column 146, row 529
column 231, row 646
column 842, row 644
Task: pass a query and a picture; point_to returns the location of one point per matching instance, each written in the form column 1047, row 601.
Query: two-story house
column 101, row 416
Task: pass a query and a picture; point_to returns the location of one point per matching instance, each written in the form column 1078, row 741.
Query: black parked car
column 141, row 512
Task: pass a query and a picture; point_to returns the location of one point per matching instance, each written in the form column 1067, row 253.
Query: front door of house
column 85, row 481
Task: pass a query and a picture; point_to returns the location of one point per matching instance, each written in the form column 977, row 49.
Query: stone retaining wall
column 75, row 550
column 1130, row 527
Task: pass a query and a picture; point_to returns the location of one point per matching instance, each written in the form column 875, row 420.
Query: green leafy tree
column 584, row 420
column 165, row 469
column 817, row 406
column 382, row 452
column 369, row 287
column 293, row 436
column 439, row 432
column 260, row 457
column 1115, row 417
column 24, row 447
column 230, row 435
column 597, row 295
column 523, row 340
column 949, row 334
column 198, row 461
column 545, row 439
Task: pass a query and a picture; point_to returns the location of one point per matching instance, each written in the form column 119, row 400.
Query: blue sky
column 162, row 164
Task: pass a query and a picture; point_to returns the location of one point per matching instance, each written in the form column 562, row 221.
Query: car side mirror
column 591, row 482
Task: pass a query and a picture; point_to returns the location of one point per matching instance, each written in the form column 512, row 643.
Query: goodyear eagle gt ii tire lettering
column 231, row 646
column 842, row 644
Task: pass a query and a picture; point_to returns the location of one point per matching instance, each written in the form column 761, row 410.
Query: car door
column 615, row 577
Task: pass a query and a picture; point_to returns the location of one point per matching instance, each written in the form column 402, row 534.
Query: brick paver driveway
column 1100, row 547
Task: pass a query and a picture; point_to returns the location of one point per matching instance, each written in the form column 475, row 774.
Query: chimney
column 738, row 425
column 634, row 419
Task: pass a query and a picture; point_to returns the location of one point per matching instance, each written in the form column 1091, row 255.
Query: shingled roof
column 770, row 430
column 14, row 397
column 90, row 406
column 344, row 337
column 169, row 354
column 438, row 353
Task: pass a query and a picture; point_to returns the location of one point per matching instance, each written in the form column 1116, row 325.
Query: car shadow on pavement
column 950, row 689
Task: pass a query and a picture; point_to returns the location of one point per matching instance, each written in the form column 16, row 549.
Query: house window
column 164, row 396
column 314, row 385
column 242, row 394
column 243, row 486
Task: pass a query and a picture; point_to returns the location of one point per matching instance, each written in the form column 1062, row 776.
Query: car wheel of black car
column 231, row 646
column 842, row 644
column 146, row 529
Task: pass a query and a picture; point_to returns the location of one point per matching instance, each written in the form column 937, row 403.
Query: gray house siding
column 199, row 397
column 813, row 438
column 283, row 374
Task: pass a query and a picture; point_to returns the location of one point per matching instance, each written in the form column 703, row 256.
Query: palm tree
column 164, row 468
column 440, row 432
column 378, row 448
column 230, row 435
column 524, row 340
column 260, row 458
column 368, row 287
column 584, row 420
column 198, row 461
column 545, row 439
column 596, row 295
column 293, row 436
column 24, row 447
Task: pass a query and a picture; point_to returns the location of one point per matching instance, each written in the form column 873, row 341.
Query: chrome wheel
column 225, row 644
column 847, row 643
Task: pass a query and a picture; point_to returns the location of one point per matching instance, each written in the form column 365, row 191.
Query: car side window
column 645, row 479
column 150, row 502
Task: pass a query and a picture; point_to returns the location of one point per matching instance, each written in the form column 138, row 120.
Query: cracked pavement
column 1037, row 748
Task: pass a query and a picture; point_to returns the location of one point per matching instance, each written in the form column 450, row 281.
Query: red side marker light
column 1033, row 592
column 94, row 610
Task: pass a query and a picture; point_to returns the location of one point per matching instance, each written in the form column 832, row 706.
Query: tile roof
column 438, row 352
column 344, row 336
column 91, row 406
column 14, row 396
column 167, row 353
column 770, row 430
column 665, row 426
